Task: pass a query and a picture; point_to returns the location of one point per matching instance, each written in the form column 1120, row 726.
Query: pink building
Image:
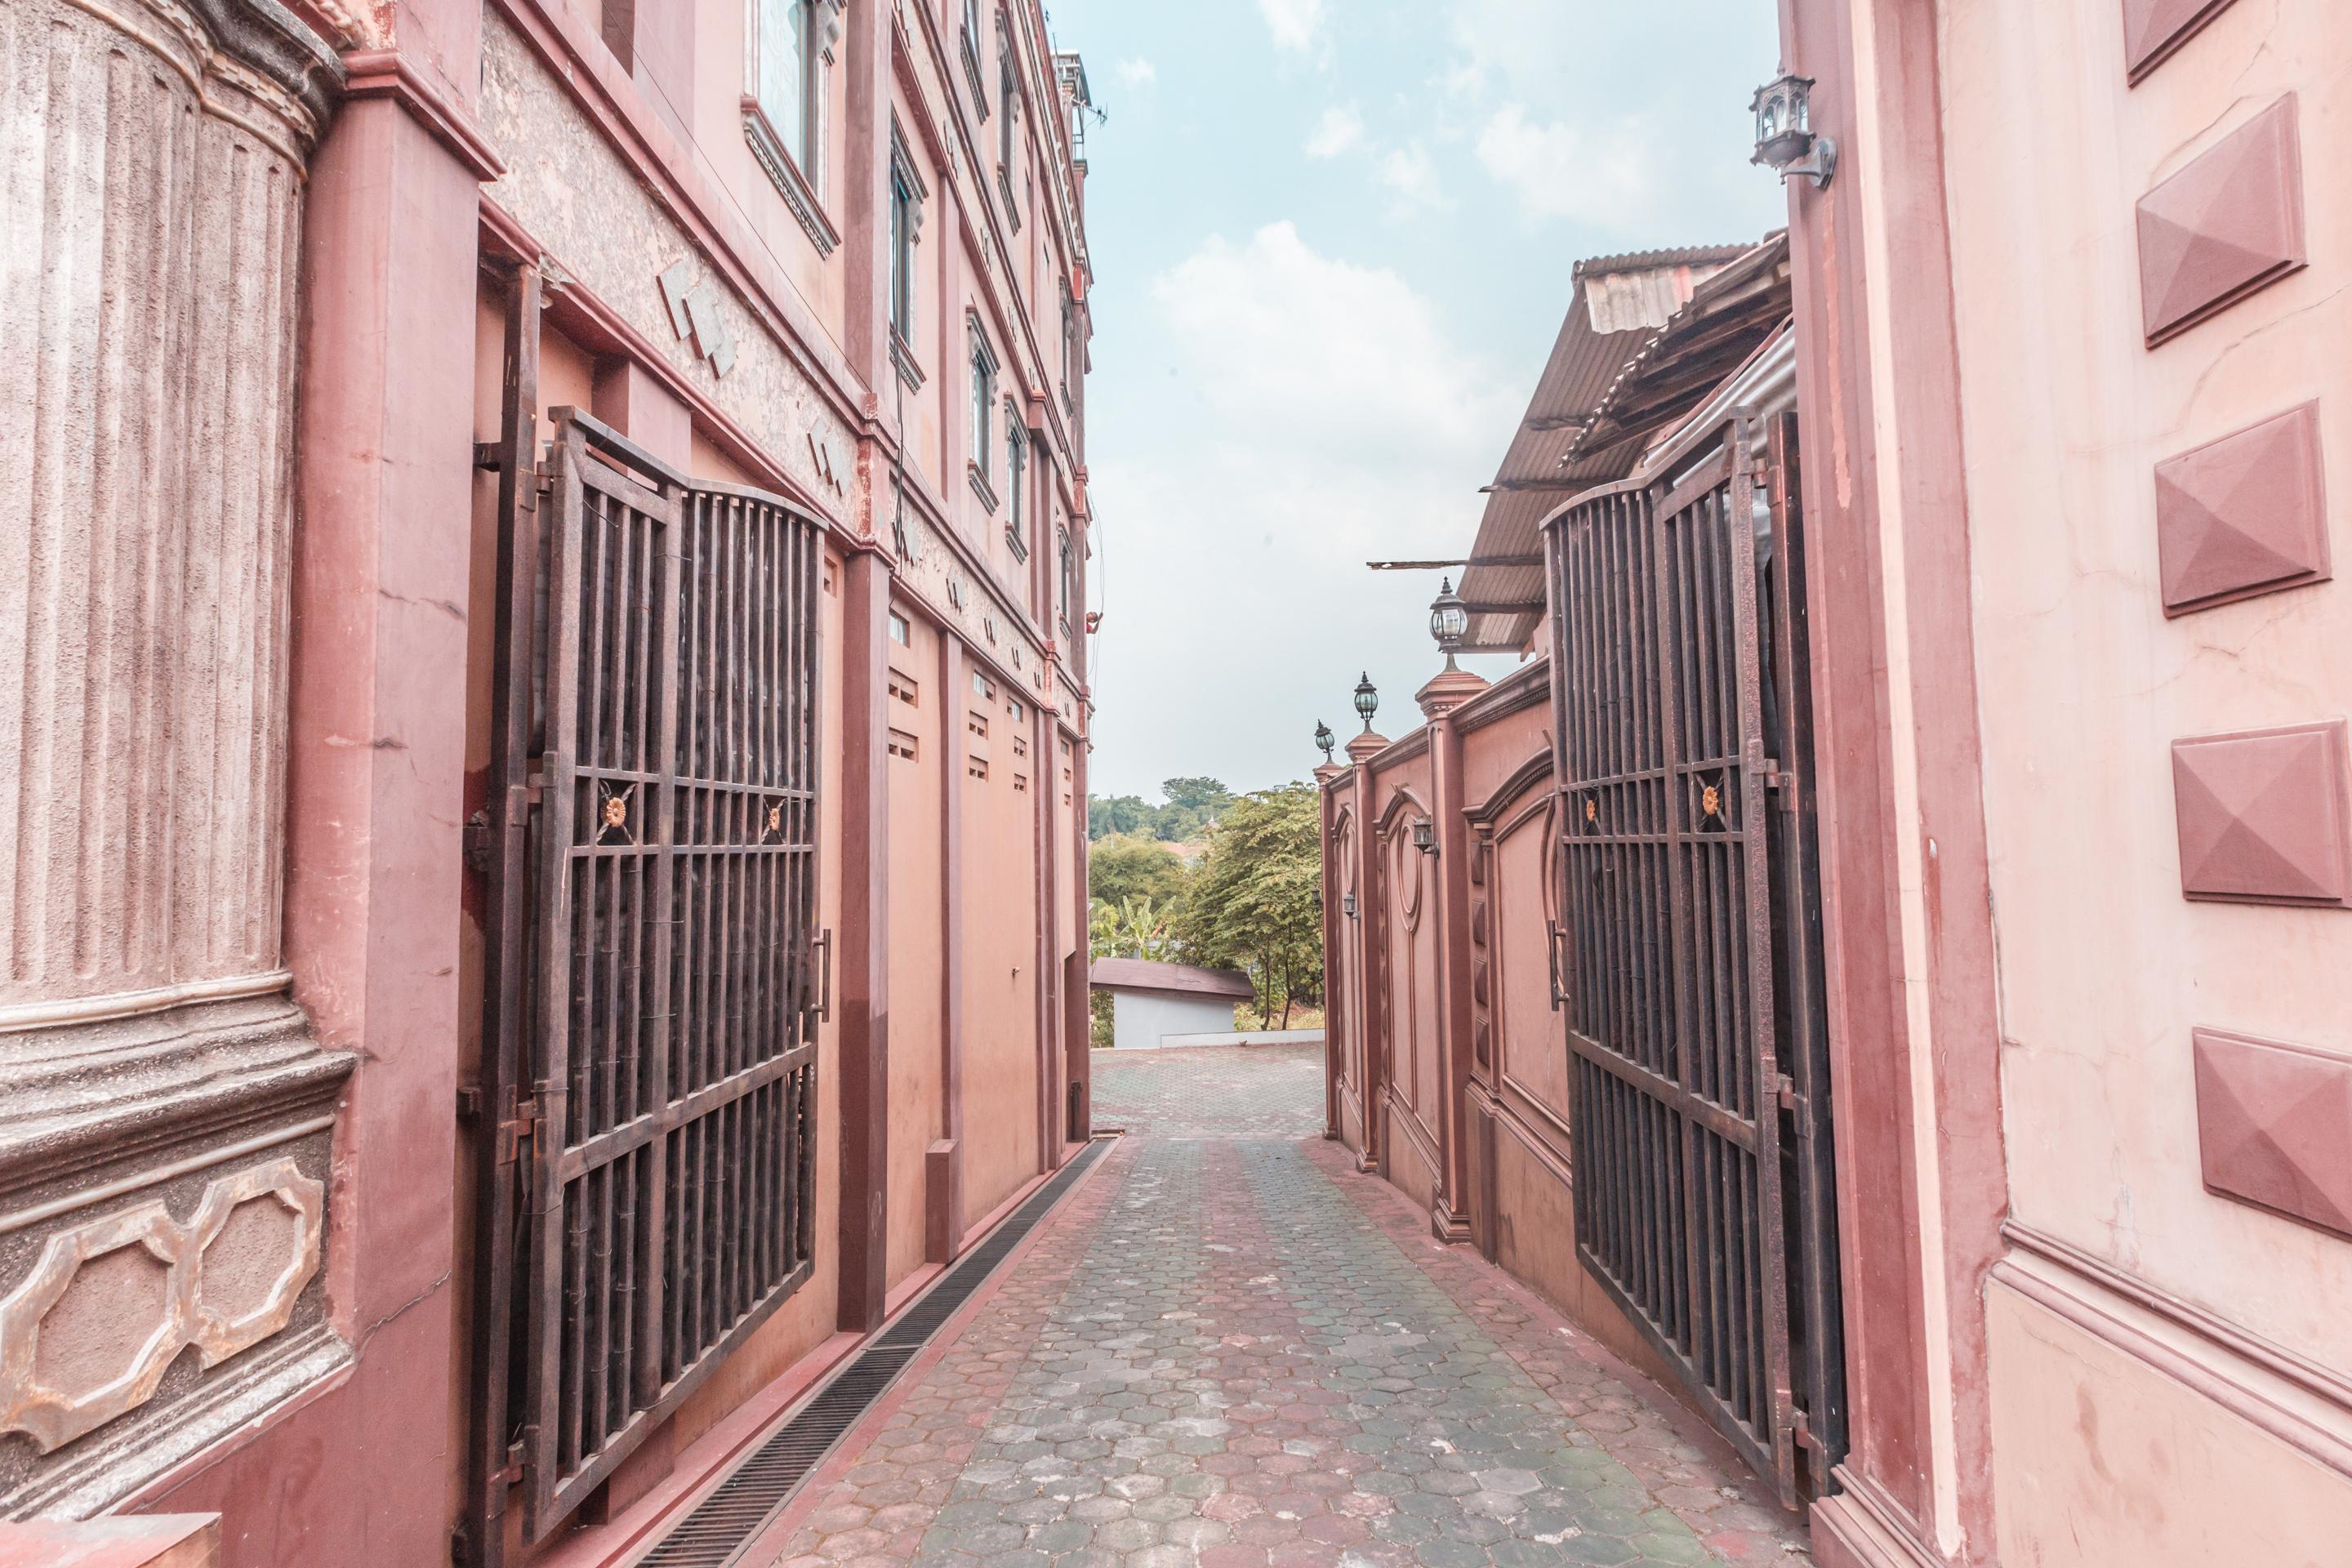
column 1895, row 989
column 546, row 739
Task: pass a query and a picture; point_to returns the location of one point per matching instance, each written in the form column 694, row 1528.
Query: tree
column 1256, row 903
column 1134, row 928
column 1121, row 867
column 1107, row 815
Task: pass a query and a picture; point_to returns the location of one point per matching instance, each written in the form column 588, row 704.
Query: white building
column 1155, row 1004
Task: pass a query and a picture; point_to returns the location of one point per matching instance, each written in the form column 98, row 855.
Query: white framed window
column 785, row 79
column 984, row 401
column 1017, row 465
column 905, row 220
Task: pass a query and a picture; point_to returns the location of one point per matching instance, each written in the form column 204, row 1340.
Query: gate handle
column 1552, row 959
column 824, row 992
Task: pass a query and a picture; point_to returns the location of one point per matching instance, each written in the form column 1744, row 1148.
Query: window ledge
column 980, row 486
column 1013, row 542
column 1012, row 207
column 971, row 52
column 903, row 356
column 790, row 181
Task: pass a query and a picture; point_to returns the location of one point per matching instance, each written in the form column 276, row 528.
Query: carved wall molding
column 2244, row 514
column 89, row 1333
column 2263, row 814
column 2225, row 227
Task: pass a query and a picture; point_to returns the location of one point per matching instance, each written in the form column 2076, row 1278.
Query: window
column 1018, row 714
column 1008, row 97
column 983, row 687
column 1069, row 578
column 787, row 76
column 900, row 632
column 983, row 402
column 971, row 55
column 1069, row 333
column 902, row 252
column 783, row 104
column 1016, row 464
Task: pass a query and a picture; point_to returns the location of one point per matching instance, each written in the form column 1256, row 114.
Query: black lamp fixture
column 1784, row 132
column 1424, row 835
column 1449, row 621
column 1348, row 903
column 1323, row 740
column 1368, row 700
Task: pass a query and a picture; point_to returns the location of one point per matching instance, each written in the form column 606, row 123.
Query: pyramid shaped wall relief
column 2242, row 515
column 2228, row 224
column 2261, row 815
column 2153, row 29
column 2271, row 1126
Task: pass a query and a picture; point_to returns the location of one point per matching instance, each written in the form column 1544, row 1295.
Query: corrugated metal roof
column 1604, row 394
column 1184, row 979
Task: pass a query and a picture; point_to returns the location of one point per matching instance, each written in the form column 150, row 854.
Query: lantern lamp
column 1449, row 621
column 1424, row 835
column 1368, row 700
column 1323, row 740
column 1784, row 130
column 1348, row 903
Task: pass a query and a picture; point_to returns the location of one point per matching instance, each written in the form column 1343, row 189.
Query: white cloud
column 1339, row 131
column 1296, row 25
column 1313, row 357
column 1136, row 73
column 1410, row 175
column 1603, row 175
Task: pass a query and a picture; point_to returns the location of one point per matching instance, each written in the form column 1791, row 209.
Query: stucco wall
column 1140, row 1019
column 2104, row 967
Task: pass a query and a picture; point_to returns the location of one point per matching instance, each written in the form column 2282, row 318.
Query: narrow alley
column 1226, row 1343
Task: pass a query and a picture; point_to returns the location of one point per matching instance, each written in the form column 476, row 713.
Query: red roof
column 1177, row 979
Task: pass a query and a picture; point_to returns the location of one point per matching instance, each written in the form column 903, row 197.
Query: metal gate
column 1700, row 1140
column 648, row 1080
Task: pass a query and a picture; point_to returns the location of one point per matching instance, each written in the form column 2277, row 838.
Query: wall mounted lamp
column 1784, row 130
column 1424, row 835
column 1347, row 905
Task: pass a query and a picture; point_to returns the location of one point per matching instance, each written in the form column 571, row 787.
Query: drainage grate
column 714, row 1534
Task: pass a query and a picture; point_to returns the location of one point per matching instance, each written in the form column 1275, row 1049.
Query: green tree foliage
column 1256, row 903
column 1194, row 806
column 1123, row 867
column 1134, row 928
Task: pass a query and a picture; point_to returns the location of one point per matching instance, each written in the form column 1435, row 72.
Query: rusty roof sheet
column 1677, row 322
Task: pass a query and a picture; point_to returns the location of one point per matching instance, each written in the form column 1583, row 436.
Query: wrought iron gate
column 650, row 1079
column 1700, row 1140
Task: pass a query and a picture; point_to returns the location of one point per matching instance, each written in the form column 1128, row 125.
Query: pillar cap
column 1366, row 745
column 1448, row 690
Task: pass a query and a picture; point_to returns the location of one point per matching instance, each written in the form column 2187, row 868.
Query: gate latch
column 517, row 1129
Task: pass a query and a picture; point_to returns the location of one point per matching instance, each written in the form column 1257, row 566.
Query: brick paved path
column 1236, row 1352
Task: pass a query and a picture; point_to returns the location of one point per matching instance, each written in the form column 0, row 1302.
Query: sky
column 1331, row 244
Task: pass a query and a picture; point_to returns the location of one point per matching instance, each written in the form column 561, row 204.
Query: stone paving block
column 1229, row 1349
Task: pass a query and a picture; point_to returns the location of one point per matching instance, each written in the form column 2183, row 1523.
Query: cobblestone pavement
column 1236, row 1352
column 1212, row 1091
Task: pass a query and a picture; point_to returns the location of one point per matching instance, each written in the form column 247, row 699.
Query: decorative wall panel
column 158, row 1085
column 2228, row 224
column 2154, row 29
column 2271, row 1126
column 2262, row 815
column 2243, row 515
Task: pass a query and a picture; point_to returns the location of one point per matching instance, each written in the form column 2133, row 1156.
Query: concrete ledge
column 1249, row 1037
column 130, row 1540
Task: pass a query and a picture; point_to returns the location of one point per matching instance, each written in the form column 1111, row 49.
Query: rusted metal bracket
column 517, row 1129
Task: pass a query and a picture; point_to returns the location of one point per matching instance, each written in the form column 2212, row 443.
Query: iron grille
column 671, row 1055
column 1678, row 937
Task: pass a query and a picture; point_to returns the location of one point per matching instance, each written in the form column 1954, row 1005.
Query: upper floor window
column 1016, row 463
column 1069, row 578
column 1069, row 331
column 1008, row 98
column 905, row 218
column 783, row 107
column 983, row 400
column 786, row 53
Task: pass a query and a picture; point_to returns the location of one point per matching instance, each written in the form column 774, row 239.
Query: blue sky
column 1332, row 241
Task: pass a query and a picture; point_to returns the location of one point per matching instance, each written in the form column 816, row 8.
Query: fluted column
column 163, row 1148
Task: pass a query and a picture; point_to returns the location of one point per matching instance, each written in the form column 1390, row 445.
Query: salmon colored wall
column 1000, row 968
column 2099, row 1454
column 917, row 1116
